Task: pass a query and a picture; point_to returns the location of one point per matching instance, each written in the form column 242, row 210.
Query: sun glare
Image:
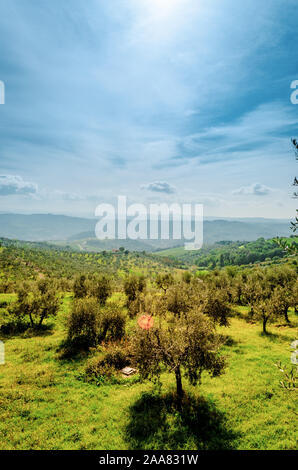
column 162, row 8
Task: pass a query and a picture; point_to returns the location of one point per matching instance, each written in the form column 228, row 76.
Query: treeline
column 227, row 253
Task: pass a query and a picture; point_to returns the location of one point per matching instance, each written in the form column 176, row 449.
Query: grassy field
column 45, row 404
column 179, row 251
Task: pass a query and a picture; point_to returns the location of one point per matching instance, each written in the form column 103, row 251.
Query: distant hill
column 79, row 233
column 42, row 227
column 228, row 253
column 234, row 230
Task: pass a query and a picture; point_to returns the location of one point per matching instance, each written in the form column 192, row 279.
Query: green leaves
column 290, row 245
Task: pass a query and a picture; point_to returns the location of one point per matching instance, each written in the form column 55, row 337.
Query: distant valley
column 79, row 233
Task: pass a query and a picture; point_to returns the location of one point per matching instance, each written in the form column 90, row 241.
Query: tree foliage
column 184, row 344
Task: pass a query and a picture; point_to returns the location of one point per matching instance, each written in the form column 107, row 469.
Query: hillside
column 79, row 233
column 228, row 253
column 244, row 407
column 29, row 260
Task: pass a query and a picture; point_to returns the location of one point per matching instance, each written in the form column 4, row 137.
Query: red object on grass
column 146, row 322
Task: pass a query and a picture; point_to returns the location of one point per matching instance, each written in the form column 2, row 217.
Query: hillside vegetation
column 210, row 350
column 228, row 253
column 30, row 261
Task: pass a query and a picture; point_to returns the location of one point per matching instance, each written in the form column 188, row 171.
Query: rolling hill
column 79, row 233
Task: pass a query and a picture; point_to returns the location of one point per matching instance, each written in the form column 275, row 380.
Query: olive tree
column 101, row 289
column 164, row 281
column 185, row 345
column 212, row 302
column 215, row 305
column 269, row 306
column 89, row 325
column 80, row 287
column 36, row 302
column 83, row 324
column 133, row 285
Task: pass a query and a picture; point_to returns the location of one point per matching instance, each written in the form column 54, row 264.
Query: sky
column 158, row 100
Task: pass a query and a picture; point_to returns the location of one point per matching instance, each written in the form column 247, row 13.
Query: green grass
column 45, row 405
column 179, row 251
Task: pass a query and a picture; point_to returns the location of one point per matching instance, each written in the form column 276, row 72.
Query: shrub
column 103, row 367
column 96, row 370
column 187, row 277
column 88, row 325
column 117, row 355
column 150, row 303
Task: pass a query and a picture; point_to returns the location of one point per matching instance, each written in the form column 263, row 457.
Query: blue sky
column 158, row 100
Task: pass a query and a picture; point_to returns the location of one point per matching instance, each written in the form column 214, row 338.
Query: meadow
column 45, row 403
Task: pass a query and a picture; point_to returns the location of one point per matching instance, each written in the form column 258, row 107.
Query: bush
column 104, row 367
column 117, row 355
column 164, row 281
column 97, row 371
column 10, row 324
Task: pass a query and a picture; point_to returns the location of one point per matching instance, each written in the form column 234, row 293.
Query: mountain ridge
column 80, row 232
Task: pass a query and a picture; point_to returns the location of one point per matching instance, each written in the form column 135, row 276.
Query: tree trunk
column 286, row 315
column 264, row 325
column 41, row 320
column 179, row 387
column 31, row 320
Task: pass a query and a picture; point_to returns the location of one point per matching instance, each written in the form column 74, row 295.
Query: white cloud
column 159, row 187
column 13, row 184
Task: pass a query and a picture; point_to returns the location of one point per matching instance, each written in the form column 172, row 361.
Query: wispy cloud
column 265, row 129
column 255, row 189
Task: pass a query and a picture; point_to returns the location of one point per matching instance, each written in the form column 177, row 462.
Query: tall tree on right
column 290, row 244
column 295, row 195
